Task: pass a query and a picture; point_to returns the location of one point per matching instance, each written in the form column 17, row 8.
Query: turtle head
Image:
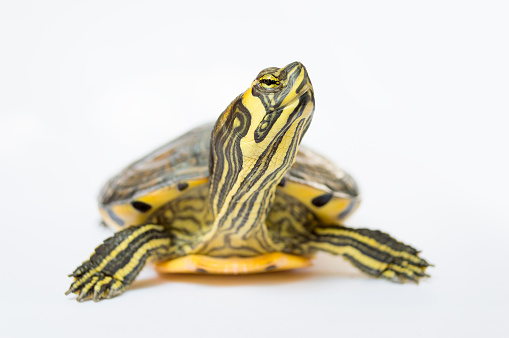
column 279, row 99
column 273, row 114
column 256, row 138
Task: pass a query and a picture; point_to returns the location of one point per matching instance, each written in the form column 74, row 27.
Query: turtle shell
column 182, row 164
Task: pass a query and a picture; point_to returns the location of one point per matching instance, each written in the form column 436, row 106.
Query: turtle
column 238, row 196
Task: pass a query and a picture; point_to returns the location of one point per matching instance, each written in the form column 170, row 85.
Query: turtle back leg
column 117, row 262
column 372, row 251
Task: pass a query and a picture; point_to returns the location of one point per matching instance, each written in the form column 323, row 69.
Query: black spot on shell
column 272, row 267
column 182, row 186
column 321, row 200
column 201, row 270
column 283, row 182
column 141, row 206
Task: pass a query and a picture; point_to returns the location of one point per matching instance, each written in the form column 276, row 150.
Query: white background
column 411, row 97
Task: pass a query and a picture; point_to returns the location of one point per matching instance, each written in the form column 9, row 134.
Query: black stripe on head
column 266, row 125
column 272, row 100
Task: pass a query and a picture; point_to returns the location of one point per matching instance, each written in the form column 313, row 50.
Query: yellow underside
column 276, row 261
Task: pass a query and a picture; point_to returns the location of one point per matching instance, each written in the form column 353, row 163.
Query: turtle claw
column 401, row 271
column 95, row 285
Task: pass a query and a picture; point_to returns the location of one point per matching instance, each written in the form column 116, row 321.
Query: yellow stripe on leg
column 119, row 248
column 369, row 241
column 353, row 252
column 373, row 252
column 138, row 255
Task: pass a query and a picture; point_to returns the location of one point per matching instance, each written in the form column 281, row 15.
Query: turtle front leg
column 117, row 262
column 372, row 251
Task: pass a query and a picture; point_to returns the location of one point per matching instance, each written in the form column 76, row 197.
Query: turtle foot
column 373, row 252
column 404, row 271
column 93, row 284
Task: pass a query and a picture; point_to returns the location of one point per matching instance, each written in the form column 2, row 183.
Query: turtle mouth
column 306, row 112
column 305, row 97
column 305, row 89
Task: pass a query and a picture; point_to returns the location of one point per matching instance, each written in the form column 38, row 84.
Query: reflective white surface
column 412, row 99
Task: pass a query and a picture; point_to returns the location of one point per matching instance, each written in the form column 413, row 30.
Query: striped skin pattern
column 254, row 143
column 243, row 200
column 117, row 261
column 372, row 251
column 188, row 220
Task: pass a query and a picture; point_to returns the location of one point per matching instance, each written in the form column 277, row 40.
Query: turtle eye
column 269, row 81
